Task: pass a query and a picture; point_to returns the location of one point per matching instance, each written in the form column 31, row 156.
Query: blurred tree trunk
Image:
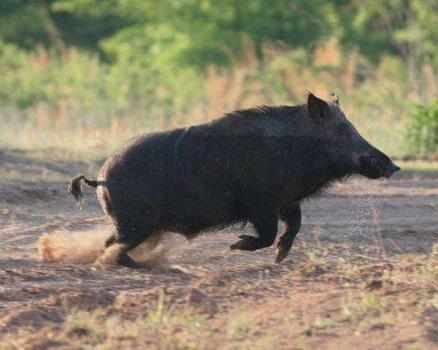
column 53, row 32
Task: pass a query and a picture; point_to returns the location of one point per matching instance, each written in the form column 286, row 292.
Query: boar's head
column 345, row 147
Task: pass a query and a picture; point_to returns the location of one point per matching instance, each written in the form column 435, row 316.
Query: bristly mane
column 264, row 110
column 255, row 111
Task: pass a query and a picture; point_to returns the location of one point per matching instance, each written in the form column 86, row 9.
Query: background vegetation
column 84, row 75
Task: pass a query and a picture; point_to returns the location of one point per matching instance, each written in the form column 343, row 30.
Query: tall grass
column 78, row 103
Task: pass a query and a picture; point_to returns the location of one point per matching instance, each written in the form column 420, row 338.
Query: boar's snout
column 377, row 165
column 391, row 169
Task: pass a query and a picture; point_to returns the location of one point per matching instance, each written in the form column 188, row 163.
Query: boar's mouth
column 391, row 169
column 376, row 167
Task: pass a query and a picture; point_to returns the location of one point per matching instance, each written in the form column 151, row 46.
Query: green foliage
column 423, row 129
column 102, row 60
column 43, row 77
column 407, row 28
column 201, row 32
column 93, row 91
column 58, row 23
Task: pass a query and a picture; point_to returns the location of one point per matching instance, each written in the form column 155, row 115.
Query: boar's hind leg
column 116, row 252
column 266, row 227
column 130, row 233
column 110, row 240
column 292, row 217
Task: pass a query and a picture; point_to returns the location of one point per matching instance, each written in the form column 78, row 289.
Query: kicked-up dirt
column 363, row 273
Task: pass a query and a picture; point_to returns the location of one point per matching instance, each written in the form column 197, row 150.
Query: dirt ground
column 363, row 273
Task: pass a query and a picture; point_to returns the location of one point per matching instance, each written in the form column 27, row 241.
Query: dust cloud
column 85, row 247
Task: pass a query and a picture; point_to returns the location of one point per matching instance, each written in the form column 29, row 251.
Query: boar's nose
column 391, row 169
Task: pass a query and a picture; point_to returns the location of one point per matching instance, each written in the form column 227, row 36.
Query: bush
column 423, row 129
column 50, row 95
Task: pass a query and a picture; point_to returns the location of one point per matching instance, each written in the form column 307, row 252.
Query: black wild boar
column 253, row 165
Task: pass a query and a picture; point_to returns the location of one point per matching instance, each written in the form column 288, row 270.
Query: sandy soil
column 367, row 226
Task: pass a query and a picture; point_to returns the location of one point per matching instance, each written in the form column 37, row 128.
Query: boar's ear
column 335, row 98
column 317, row 108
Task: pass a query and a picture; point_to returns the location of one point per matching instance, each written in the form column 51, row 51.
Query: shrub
column 423, row 129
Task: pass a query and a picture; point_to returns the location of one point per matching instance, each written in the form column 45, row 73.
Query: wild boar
column 254, row 165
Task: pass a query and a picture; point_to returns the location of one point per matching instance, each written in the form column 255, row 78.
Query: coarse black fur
column 253, row 165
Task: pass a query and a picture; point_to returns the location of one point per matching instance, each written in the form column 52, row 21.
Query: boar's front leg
column 292, row 217
column 265, row 224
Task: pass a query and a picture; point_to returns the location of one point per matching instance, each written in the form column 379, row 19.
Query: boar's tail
column 75, row 186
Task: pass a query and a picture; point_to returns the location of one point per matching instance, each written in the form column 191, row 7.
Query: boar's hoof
column 283, row 247
column 115, row 255
column 246, row 243
column 282, row 253
column 127, row 261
